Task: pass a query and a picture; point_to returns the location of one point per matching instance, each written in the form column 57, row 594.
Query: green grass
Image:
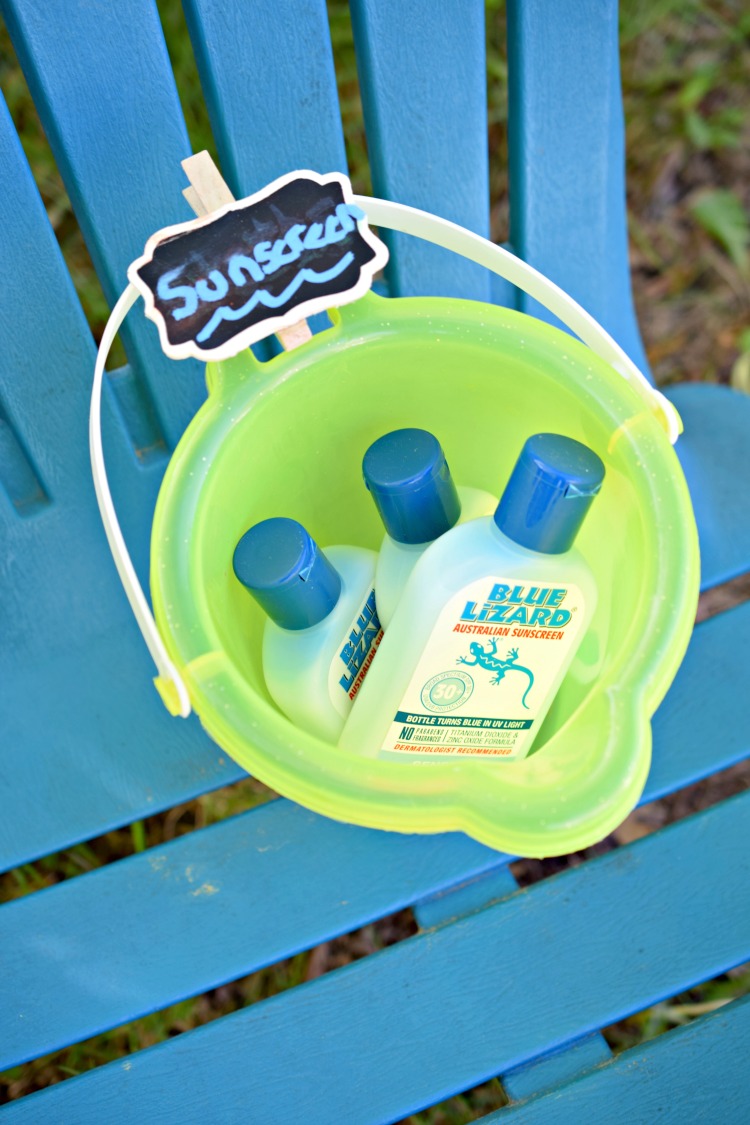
column 684, row 65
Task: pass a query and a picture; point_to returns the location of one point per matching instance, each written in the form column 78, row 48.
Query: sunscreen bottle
column 408, row 476
column 488, row 623
column 322, row 629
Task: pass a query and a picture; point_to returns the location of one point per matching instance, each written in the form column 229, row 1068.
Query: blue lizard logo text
column 359, row 650
column 521, row 605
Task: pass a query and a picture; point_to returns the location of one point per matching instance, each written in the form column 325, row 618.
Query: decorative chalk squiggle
column 263, row 297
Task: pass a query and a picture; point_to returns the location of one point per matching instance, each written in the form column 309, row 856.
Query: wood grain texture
column 400, row 1029
column 473, row 893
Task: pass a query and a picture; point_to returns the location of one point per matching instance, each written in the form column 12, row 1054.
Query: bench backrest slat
column 116, row 130
column 567, row 157
column 267, row 75
column 427, row 128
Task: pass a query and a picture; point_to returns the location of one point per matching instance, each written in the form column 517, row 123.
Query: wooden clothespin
column 208, row 192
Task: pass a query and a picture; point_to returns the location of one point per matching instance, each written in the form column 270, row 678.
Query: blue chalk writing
column 239, row 265
column 263, row 297
column 266, row 259
column 215, row 289
column 165, row 291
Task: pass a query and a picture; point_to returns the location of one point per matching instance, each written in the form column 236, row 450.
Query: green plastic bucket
column 287, row 438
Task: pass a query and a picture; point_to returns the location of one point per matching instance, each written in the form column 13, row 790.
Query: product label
column 485, row 679
column 357, row 653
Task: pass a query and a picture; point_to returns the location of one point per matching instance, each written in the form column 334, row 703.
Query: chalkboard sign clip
column 246, row 269
column 208, row 192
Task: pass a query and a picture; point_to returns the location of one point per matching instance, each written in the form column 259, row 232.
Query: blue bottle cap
column 549, row 493
column 411, row 484
column 287, row 573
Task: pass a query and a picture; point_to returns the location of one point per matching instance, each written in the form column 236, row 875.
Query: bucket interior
column 287, row 439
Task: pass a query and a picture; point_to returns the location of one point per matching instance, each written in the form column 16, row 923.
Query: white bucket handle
column 169, row 682
column 408, row 220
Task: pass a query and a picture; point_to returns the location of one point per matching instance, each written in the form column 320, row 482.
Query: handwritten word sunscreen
column 411, row 484
column 265, row 259
column 323, row 628
column 489, row 621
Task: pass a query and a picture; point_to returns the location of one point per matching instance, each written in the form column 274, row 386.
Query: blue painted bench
column 499, row 981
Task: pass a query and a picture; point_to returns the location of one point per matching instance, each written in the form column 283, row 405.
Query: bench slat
column 206, row 908
column 79, row 718
column 543, row 967
column 119, row 156
column 696, row 1073
column 566, row 143
column 246, row 52
column 424, row 98
column 90, row 746
column 703, row 725
column 715, row 455
column 72, row 664
column 42, row 400
column 554, row 1069
column 46, row 365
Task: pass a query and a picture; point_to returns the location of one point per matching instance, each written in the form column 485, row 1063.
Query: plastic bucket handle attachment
column 407, row 220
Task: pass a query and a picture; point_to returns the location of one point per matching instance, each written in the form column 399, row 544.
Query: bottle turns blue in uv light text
column 488, row 622
column 408, row 477
column 322, row 630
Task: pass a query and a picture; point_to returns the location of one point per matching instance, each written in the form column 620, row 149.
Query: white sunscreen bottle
column 408, row 476
column 323, row 628
column 488, row 623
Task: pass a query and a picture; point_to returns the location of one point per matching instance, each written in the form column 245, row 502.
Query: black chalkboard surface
column 219, row 283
